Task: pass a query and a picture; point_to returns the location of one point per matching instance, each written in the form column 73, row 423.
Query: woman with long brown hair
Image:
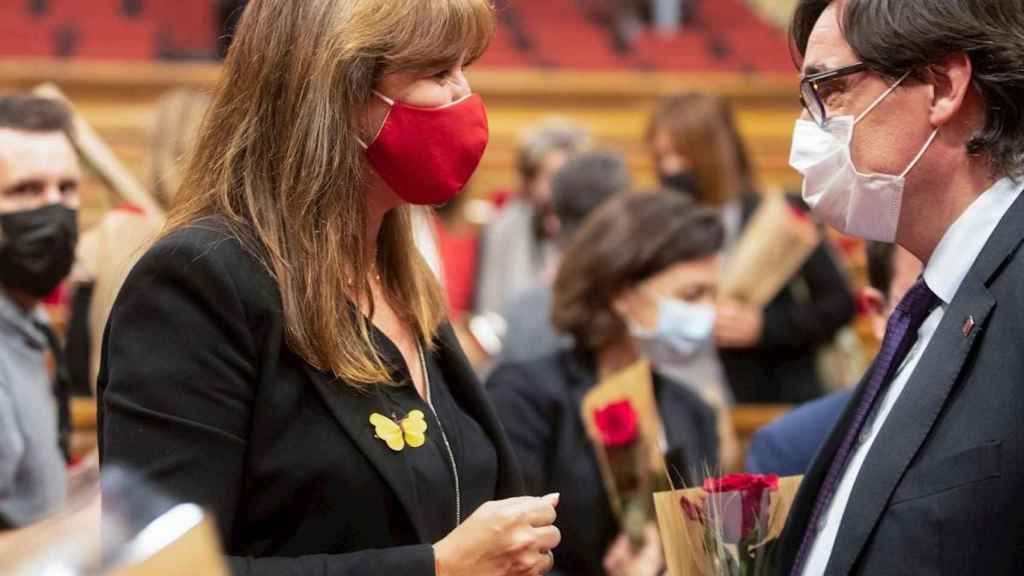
column 281, row 355
column 769, row 353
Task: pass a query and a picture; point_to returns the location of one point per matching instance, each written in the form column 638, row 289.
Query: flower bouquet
column 776, row 243
column 726, row 527
column 621, row 418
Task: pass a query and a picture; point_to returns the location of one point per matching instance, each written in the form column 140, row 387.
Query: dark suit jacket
column 200, row 393
column 804, row 316
column 940, row 492
column 539, row 402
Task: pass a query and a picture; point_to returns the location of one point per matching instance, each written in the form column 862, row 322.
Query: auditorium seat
column 115, row 39
column 504, row 53
column 24, row 36
column 687, row 51
column 75, row 11
column 186, row 27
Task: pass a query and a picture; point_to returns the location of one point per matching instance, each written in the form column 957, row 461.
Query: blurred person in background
column 637, row 282
column 577, row 189
column 787, row 446
column 107, row 251
column 518, row 250
column 458, row 244
column 769, row 355
column 282, row 355
column 39, row 180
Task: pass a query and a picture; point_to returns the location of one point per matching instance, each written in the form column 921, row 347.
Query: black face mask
column 37, row 248
column 682, row 182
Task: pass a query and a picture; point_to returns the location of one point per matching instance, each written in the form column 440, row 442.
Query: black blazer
column 801, row 319
column 940, row 492
column 539, row 403
column 199, row 392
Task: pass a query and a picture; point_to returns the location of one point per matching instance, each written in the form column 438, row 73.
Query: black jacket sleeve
column 180, row 370
column 528, row 412
column 795, row 325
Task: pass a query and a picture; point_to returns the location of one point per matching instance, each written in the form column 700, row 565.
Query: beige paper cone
column 197, row 553
column 636, row 385
column 683, row 539
column 771, row 250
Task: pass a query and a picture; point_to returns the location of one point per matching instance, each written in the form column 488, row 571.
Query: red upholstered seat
column 115, row 39
column 186, row 26
column 75, row 11
column 24, row 36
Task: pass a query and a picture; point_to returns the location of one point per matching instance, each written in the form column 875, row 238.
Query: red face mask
column 427, row 155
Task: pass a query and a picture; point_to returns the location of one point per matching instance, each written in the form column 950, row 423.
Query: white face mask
column 864, row 205
column 683, row 330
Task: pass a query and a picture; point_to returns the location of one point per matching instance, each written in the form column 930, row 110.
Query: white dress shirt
column 949, row 265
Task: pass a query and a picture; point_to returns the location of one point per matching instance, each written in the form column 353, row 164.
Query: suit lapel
column 352, row 410
column 912, row 418
column 910, row 422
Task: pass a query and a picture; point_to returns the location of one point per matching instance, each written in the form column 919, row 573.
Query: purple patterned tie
column 900, row 335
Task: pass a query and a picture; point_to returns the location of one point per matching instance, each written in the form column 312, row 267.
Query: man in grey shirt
column 39, row 177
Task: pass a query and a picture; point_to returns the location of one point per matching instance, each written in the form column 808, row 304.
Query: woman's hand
column 504, row 538
column 622, row 560
column 738, row 325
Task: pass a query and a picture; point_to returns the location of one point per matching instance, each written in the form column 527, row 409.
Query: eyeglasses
column 809, row 97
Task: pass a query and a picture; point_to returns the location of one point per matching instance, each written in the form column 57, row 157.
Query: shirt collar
column 14, row 318
column 965, row 239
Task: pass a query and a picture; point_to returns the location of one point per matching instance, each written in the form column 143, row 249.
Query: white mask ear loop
column 386, row 100
column 390, row 103
column 920, row 154
column 881, row 98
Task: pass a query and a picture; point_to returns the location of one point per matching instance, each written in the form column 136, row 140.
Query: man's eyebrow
column 15, row 184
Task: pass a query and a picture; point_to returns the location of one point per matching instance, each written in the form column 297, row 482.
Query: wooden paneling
column 117, row 98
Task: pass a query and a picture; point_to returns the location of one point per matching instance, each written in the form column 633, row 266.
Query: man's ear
column 951, row 82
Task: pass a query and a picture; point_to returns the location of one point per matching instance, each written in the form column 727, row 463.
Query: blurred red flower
column 617, row 423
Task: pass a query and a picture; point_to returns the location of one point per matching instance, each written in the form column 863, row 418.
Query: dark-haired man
column 913, row 132
column 39, row 177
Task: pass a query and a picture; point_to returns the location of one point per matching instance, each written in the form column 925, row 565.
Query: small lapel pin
column 968, row 326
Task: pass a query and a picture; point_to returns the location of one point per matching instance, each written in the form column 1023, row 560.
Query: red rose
column 617, row 423
column 752, row 489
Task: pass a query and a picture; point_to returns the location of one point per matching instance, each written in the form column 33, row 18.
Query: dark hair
column 624, row 242
column 34, row 114
column 584, row 183
column 897, row 36
column 703, row 129
column 881, row 265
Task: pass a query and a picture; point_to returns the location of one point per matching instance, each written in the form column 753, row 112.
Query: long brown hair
column 703, row 129
column 277, row 157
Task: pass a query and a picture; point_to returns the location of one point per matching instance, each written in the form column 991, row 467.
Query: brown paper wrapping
column 773, row 247
column 682, row 539
column 197, row 553
column 633, row 384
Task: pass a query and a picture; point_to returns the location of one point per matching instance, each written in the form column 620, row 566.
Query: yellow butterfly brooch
column 411, row 431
